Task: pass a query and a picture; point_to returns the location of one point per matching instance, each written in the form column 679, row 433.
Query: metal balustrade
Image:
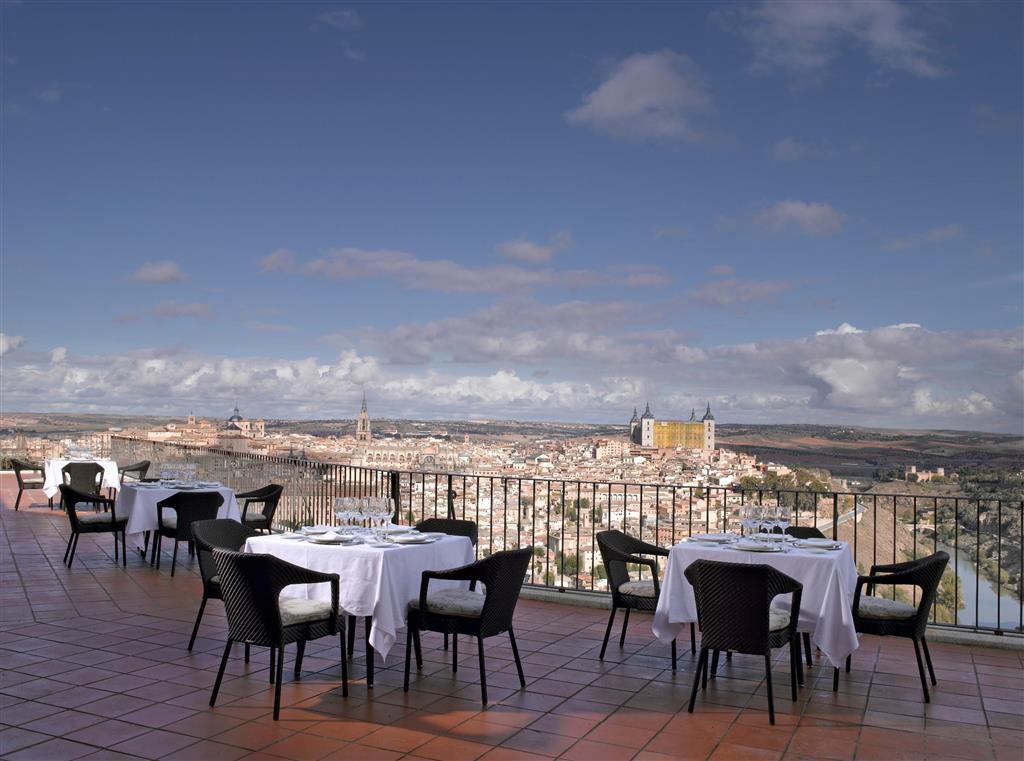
column 561, row 518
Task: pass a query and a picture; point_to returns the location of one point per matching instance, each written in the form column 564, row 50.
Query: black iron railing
column 561, row 518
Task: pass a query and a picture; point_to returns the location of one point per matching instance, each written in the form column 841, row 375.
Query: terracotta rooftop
column 94, row 666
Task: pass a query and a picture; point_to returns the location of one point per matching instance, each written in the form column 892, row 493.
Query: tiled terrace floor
column 94, row 666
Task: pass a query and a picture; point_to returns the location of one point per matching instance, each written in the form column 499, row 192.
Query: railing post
column 835, row 516
column 395, row 487
column 451, row 499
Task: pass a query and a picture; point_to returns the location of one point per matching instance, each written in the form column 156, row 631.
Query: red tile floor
column 95, row 667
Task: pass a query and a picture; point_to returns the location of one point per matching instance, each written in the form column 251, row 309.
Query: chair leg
column 768, row 684
column 300, row 651
column 277, row 685
column 17, row 501
column 116, row 553
column 835, row 680
column 625, row 623
column 704, row 671
column 50, row 500
column 807, row 648
column 408, row 656
column 849, row 661
column 246, row 652
column 68, row 550
column 416, row 646
column 696, row 679
column 220, row 673
column 799, row 664
column 714, row 663
column 446, row 640
column 483, row 672
column 515, row 654
column 693, row 638
column 367, row 625
column 74, row 548
column 920, row 670
column 344, row 666
column 794, row 659
column 174, row 557
column 607, row 633
column 273, row 663
column 928, row 659
column 673, row 654
column 124, row 548
column 195, row 629
column 455, row 654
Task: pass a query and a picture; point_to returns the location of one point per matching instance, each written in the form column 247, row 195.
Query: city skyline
column 542, row 212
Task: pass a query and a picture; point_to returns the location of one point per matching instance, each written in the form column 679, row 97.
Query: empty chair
column 96, row 522
column 452, row 526
column 257, row 614
column 617, row 549
column 30, row 476
column 210, row 535
column 83, row 477
column 263, row 504
column 891, row 618
column 735, row 613
column 462, row 611
column 188, row 507
column 136, row 471
column 804, row 532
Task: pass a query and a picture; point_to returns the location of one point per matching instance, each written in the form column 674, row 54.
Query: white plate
column 818, row 542
column 380, row 545
column 815, row 550
column 392, row 530
column 435, row 535
column 757, row 547
column 313, row 530
column 413, row 539
column 719, row 538
column 808, row 547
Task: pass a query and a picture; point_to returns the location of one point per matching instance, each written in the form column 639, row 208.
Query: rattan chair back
column 804, row 532
column 618, row 549
column 733, row 601
column 84, row 477
column 190, row 506
column 21, row 466
column 137, row 470
column 217, row 534
column 452, row 526
column 267, row 498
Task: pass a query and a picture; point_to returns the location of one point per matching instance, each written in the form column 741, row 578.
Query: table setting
column 53, row 476
column 137, row 500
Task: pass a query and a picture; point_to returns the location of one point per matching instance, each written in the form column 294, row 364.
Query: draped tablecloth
column 138, row 503
column 829, row 580
column 53, row 478
column 374, row 581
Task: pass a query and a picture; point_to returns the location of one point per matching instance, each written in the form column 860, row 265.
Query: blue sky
column 800, row 212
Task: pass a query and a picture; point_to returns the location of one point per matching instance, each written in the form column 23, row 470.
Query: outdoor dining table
column 53, row 476
column 829, row 579
column 375, row 581
column 138, row 501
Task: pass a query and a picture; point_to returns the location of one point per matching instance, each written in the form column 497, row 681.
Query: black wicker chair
column 734, row 610
column 617, row 549
column 189, row 507
column 33, row 480
column 96, row 522
column 891, row 618
column 459, row 611
column 210, row 535
column 83, row 477
column 804, row 532
column 137, row 470
column 258, row 615
column 265, row 498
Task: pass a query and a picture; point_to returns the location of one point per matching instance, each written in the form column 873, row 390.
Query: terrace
column 95, row 666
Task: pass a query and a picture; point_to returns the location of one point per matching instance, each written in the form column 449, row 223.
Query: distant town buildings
column 647, row 431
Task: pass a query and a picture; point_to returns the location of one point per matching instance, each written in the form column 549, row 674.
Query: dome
column 235, row 417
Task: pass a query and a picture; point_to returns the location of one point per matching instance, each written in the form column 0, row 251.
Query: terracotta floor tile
column 207, row 750
column 730, row 752
column 16, row 738
column 451, row 749
column 542, row 743
column 154, row 744
column 396, row 739
column 620, row 734
column 57, row 748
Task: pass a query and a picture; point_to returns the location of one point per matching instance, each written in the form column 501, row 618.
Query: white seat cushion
column 169, row 518
column 453, row 602
column 254, row 518
column 295, row 610
column 778, row 618
column 637, row 588
column 90, row 518
column 881, row 607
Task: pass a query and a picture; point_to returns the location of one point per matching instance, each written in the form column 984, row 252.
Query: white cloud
column 525, row 250
column 805, row 38
column 442, row 274
column 346, row 19
column 9, row 343
column 809, row 218
column 51, row 95
column 972, row 405
column 158, row 272
column 844, row 329
column 790, row 149
column 647, row 96
column 282, row 259
column 934, row 235
column 168, row 310
column 734, row 293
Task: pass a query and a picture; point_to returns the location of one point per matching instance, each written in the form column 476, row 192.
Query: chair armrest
column 652, row 564
column 96, row 500
column 905, row 577
column 470, row 573
column 248, row 494
column 890, row 567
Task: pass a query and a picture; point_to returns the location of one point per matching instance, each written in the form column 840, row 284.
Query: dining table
column 137, row 502
column 826, row 570
column 377, row 578
column 53, row 475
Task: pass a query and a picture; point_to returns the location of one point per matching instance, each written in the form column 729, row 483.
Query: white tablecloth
column 53, row 478
column 373, row 581
column 829, row 581
column 139, row 502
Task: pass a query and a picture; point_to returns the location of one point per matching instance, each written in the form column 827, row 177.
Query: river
column 983, row 592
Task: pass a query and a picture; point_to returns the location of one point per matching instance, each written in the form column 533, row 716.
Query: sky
column 797, row 212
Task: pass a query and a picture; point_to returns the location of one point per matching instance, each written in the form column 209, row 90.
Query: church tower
column 634, row 428
column 709, row 428
column 363, row 424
